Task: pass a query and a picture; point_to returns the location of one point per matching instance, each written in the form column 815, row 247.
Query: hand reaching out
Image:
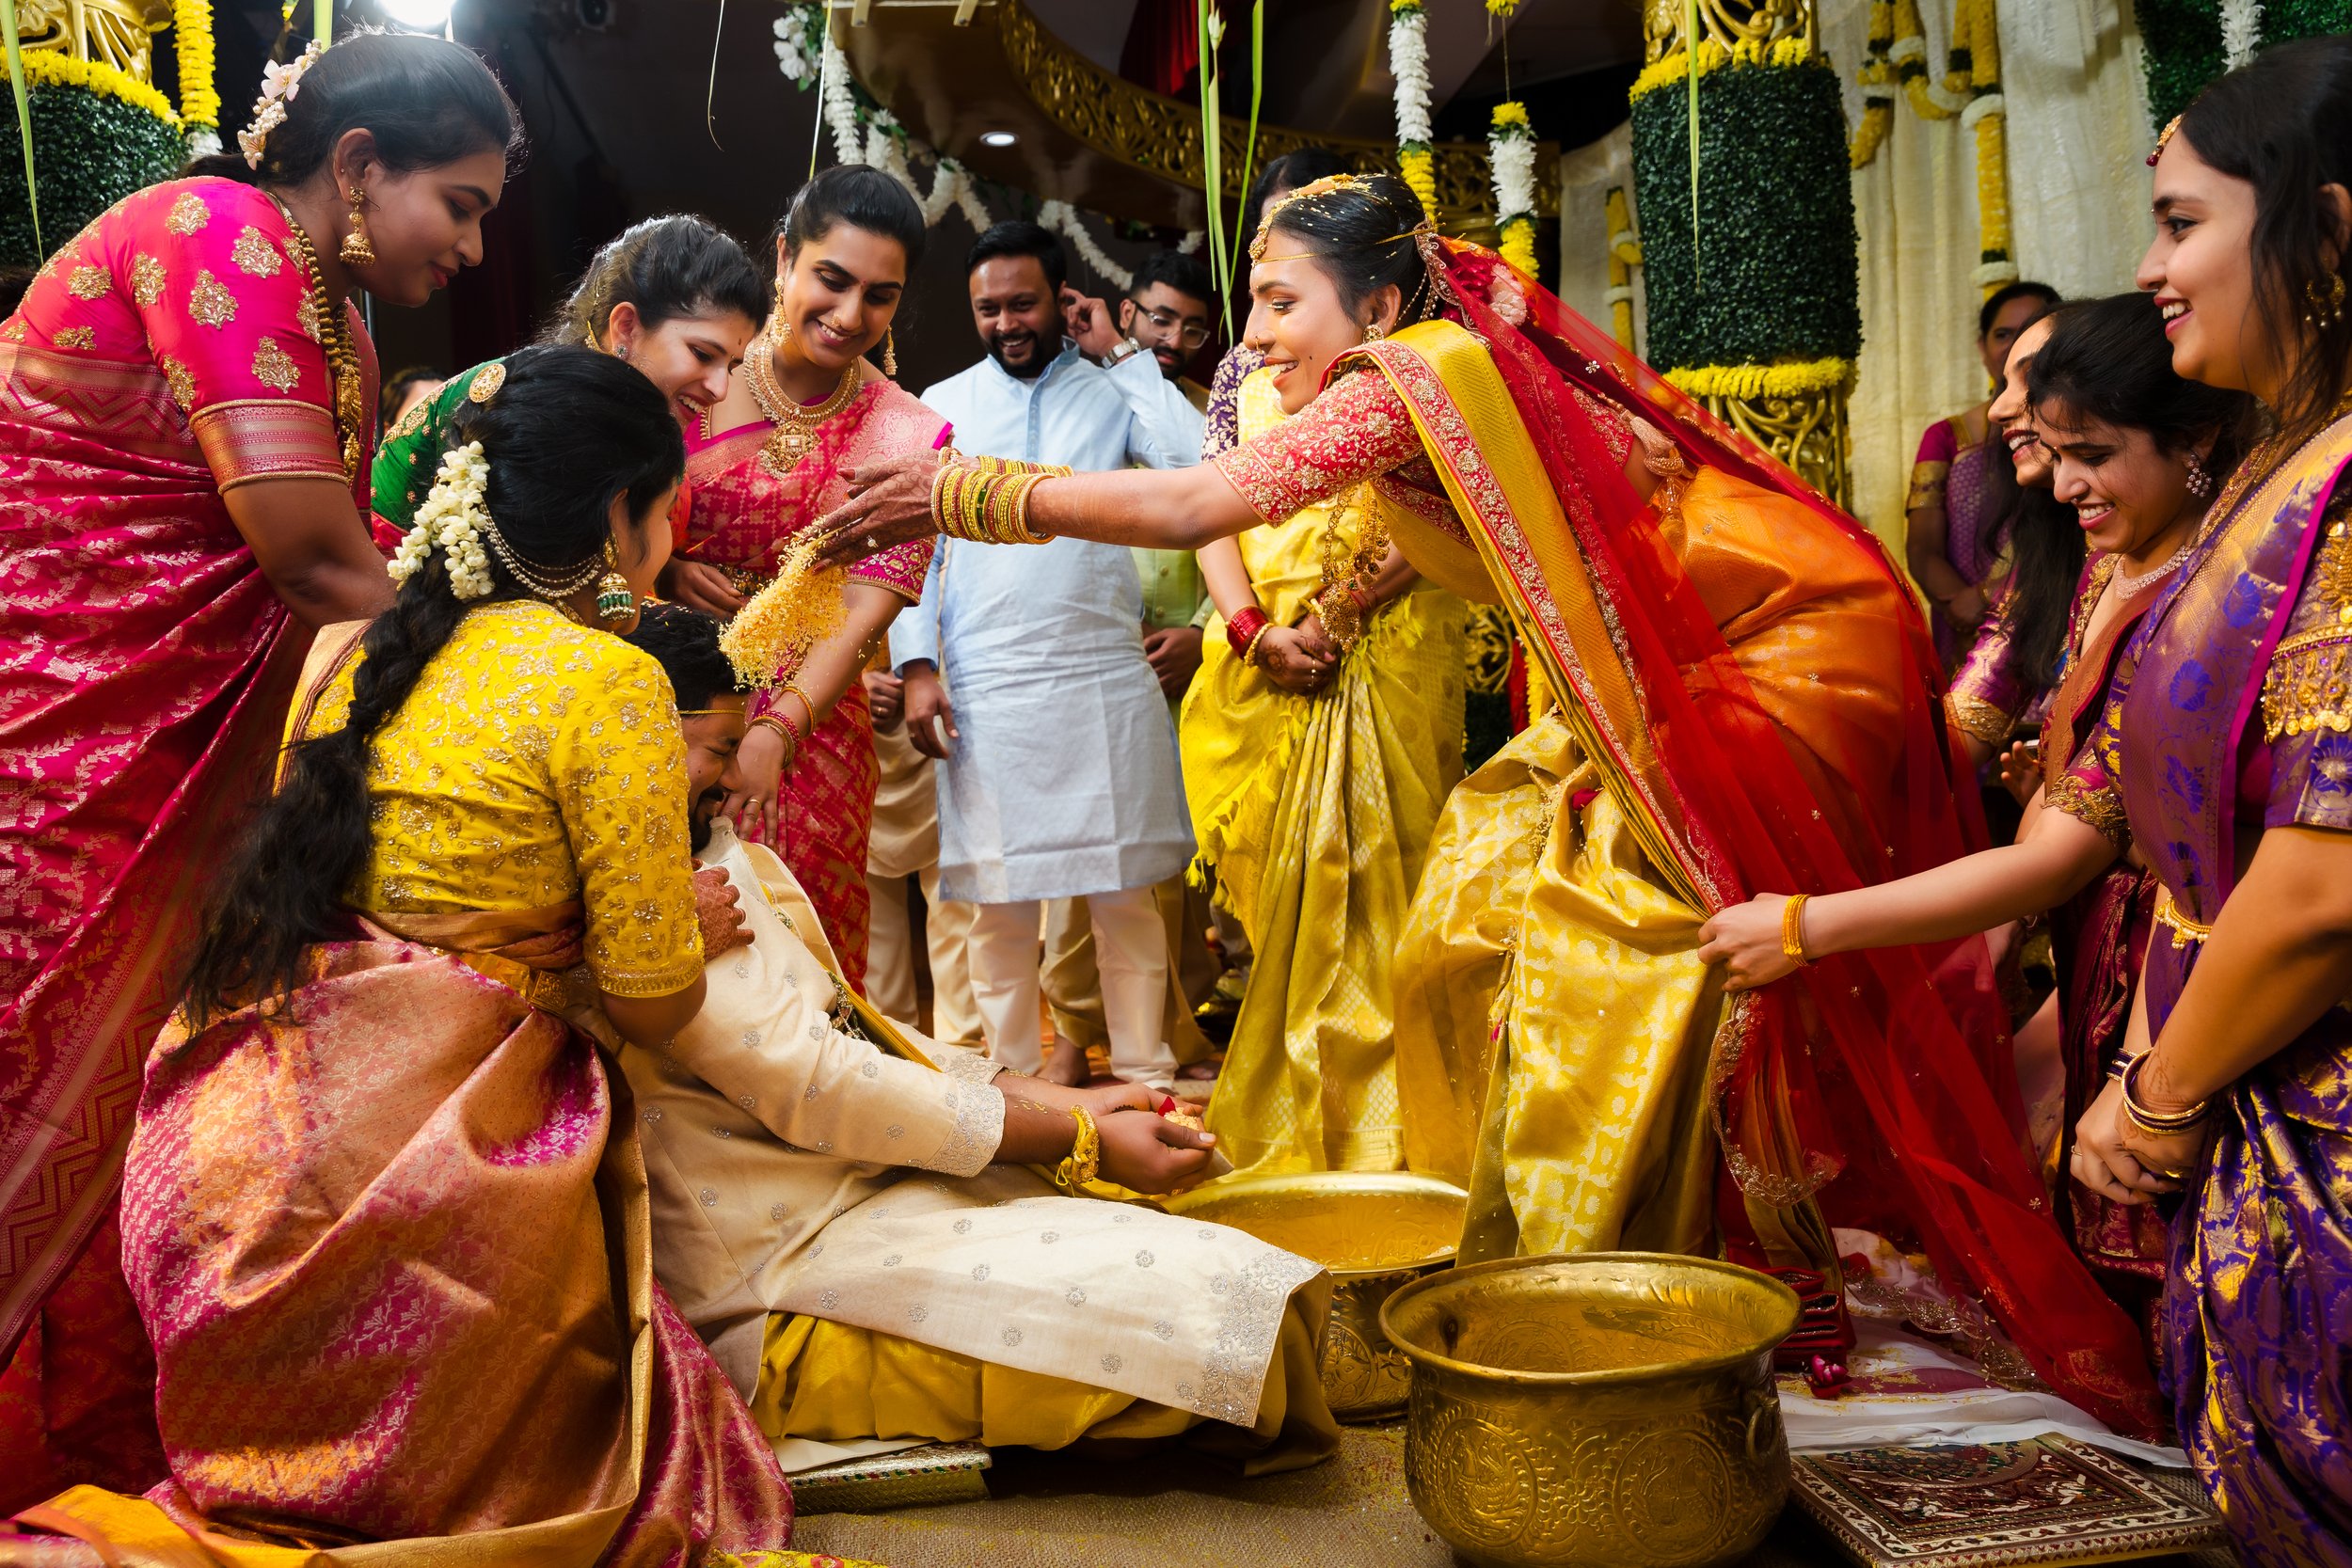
column 1745, row 939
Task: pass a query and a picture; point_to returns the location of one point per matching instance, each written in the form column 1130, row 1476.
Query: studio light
column 997, row 138
column 422, row 16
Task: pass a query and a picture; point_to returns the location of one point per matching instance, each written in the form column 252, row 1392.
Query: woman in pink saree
column 186, row 403
column 766, row 464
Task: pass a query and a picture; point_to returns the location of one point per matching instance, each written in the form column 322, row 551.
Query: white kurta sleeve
column 765, row 1040
column 1166, row 428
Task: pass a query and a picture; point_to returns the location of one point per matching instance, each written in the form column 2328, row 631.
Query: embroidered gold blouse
column 537, row 761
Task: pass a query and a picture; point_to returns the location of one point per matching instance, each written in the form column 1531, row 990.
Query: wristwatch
column 1123, row 350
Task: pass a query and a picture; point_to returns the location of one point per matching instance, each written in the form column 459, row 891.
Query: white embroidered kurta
column 795, row 1168
column 1065, row 779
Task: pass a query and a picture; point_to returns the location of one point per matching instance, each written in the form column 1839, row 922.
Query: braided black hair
column 570, row 430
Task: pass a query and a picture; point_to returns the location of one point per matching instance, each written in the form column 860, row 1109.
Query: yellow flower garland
column 1418, row 167
column 51, row 68
column 1806, row 379
column 192, row 44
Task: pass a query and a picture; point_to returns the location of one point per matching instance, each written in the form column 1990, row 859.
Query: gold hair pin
column 2163, row 137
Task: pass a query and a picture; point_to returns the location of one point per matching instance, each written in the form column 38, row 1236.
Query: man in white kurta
column 818, row 1197
column 1060, row 775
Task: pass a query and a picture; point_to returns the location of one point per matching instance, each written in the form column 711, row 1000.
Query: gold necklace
column 325, row 323
column 796, row 426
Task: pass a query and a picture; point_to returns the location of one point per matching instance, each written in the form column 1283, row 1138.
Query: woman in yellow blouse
column 384, row 1211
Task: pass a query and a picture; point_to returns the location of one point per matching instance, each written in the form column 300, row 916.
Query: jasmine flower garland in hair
column 451, row 520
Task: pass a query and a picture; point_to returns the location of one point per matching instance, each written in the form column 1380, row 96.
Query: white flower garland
column 1063, row 218
column 452, row 519
column 806, row 53
column 2241, row 30
column 1408, row 61
column 1512, row 152
column 796, row 45
column 840, row 107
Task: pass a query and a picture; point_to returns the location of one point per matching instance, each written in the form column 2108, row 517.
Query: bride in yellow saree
column 1744, row 691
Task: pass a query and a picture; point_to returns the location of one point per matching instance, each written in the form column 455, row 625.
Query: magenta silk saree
column 170, row 352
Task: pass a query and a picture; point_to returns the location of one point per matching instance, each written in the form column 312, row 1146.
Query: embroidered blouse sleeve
column 218, row 283
column 2088, row 787
column 618, row 766
column 901, row 424
column 2307, row 694
column 1356, row 429
column 1937, row 448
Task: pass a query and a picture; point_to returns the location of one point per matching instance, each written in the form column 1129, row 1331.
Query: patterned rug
column 1079, row 1510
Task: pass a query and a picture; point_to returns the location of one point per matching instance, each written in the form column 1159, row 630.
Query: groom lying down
column 852, row 1227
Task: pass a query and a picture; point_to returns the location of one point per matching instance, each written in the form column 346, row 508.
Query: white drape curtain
column 2078, row 212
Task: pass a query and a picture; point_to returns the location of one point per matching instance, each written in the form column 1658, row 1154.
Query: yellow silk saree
column 1315, row 812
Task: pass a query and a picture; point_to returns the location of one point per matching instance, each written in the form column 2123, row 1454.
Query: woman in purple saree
column 2227, row 746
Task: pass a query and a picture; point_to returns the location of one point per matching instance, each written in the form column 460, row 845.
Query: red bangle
column 1243, row 629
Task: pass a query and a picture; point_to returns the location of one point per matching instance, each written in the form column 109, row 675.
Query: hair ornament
column 2162, row 137
column 1307, row 192
column 280, row 82
column 454, row 518
column 486, row 382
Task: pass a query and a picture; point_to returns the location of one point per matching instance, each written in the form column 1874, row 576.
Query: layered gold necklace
column 325, row 323
column 795, row 435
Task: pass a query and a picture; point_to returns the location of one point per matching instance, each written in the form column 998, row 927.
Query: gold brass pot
column 1375, row 1232
column 1612, row 1410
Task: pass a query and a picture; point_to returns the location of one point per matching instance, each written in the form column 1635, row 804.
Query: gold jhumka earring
column 357, row 251
column 616, row 599
column 890, row 354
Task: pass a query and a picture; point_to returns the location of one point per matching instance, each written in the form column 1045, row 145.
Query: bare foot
column 1065, row 1065
column 1197, row 1073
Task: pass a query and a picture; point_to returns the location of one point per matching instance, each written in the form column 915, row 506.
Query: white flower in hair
column 451, row 520
column 280, row 82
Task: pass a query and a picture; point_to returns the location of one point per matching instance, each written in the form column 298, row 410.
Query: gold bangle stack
column 1792, row 929
column 2156, row 1124
column 1085, row 1157
column 986, row 500
column 1250, row 654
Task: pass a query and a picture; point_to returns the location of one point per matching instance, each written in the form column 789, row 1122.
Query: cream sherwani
column 796, row 1169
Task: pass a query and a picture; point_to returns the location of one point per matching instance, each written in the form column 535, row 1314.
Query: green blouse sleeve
column 412, row 453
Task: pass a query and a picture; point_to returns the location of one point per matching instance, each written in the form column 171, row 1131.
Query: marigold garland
column 801, row 607
column 192, row 50
column 52, row 68
column 1511, row 153
column 1764, row 381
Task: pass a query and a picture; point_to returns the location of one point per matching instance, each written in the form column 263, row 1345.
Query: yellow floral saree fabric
column 1314, row 813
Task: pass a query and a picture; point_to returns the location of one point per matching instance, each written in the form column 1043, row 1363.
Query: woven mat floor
column 1068, row 1511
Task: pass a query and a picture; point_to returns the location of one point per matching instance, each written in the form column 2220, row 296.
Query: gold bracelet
column 2155, row 1124
column 1249, row 653
column 1792, row 928
column 781, row 726
column 1086, row 1154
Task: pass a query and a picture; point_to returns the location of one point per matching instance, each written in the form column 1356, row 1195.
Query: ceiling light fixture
column 997, row 138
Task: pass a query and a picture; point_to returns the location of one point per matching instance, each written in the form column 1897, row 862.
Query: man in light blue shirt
column 1061, row 777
